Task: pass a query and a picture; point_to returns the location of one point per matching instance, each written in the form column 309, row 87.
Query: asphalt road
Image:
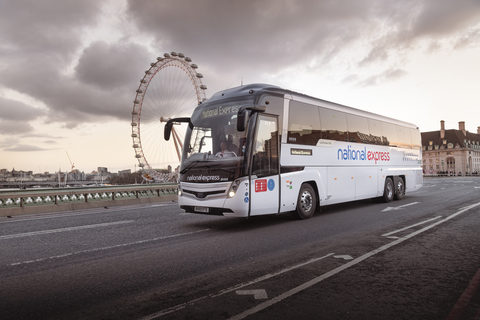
column 418, row 258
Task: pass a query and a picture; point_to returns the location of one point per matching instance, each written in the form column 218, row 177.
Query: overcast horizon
column 69, row 69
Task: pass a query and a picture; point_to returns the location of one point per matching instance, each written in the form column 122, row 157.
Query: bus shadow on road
column 221, row 223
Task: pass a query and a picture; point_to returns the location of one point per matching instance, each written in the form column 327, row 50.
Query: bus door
column 265, row 175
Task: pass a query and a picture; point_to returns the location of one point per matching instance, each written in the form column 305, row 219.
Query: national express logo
column 362, row 155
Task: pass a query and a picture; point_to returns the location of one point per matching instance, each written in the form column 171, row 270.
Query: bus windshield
column 214, row 150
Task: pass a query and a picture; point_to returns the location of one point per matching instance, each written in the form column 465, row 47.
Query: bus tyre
column 306, row 202
column 388, row 191
column 400, row 189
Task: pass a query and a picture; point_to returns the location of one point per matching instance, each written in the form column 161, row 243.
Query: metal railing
column 30, row 201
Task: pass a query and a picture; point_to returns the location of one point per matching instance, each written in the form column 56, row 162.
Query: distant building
column 102, row 170
column 124, row 172
column 451, row 151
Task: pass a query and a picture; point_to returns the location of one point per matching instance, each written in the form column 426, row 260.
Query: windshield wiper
column 192, row 164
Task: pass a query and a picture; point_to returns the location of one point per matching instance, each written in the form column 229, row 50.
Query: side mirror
column 168, row 126
column 242, row 119
column 167, row 130
column 242, row 116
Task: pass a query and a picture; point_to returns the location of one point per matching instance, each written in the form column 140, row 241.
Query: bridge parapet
column 31, row 201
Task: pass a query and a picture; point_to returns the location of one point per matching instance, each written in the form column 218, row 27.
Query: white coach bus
column 259, row 149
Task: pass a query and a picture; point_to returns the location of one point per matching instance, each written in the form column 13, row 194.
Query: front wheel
column 306, row 202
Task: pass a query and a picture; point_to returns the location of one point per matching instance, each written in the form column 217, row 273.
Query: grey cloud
column 377, row 79
column 16, row 110
column 14, row 127
column 34, row 27
column 233, row 35
column 103, row 86
column 235, row 38
column 24, row 148
column 112, row 66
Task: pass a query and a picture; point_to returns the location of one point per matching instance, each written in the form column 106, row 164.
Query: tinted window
column 303, row 124
column 334, row 125
column 375, row 128
column 389, row 131
column 416, row 138
column 404, row 139
column 358, row 129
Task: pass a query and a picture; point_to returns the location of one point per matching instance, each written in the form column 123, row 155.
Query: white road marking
column 109, row 247
column 344, row 257
column 413, row 225
column 258, row 294
column 347, row 265
column 239, row 286
column 36, row 233
column 400, row 207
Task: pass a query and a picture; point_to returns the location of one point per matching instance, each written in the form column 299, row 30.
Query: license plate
column 201, row 209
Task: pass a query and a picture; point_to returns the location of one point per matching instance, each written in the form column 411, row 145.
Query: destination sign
column 219, row 111
column 301, row 152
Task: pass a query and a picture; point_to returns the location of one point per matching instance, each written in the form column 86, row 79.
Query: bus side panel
column 264, row 196
column 414, row 180
column 292, row 181
column 341, row 184
column 366, row 183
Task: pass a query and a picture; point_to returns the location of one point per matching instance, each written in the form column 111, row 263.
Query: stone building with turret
column 451, row 151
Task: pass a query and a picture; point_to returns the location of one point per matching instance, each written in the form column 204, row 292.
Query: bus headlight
column 233, row 188
column 180, row 192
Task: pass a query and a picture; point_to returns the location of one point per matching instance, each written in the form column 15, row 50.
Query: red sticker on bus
column 261, row 185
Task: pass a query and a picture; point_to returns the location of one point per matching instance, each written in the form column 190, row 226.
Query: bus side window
column 416, row 139
column 303, row 124
column 334, row 125
column 404, row 139
column 375, row 129
column 390, row 132
column 357, row 129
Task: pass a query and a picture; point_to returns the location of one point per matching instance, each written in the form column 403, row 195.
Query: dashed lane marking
column 258, row 294
column 107, row 248
column 36, row 233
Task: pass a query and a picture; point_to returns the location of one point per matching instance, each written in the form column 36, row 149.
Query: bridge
column 32, row 201
column 22, row 184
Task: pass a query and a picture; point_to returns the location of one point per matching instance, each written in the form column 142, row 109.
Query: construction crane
column 73, row 165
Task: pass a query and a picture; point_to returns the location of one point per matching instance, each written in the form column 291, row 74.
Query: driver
column 225, row 153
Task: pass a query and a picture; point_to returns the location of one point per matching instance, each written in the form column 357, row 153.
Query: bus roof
column 259, row 89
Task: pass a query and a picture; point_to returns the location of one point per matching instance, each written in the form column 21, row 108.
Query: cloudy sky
column 69, row 69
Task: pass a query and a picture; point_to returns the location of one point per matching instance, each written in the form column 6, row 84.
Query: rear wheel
column 306, row 202
column 400, row 189
column 388, row 191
